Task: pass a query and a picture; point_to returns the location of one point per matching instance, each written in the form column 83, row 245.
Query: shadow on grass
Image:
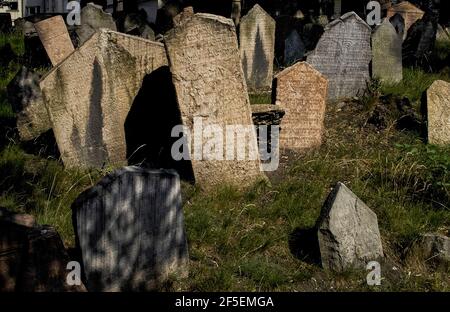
column 304, row 245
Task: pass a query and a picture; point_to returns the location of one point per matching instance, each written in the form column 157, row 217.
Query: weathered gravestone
column 399, row 24
column 294, row 48
column 442, row 34
column 89, row 95
column 438, row 113
column 348, row 232
column 92, row 19
column 130, row 230
column 257, row 44
column 55, row 38
column 387, row 53
column 408, row 11
column 5, row 22
column 302, row 92
column 343, row 55
column 209, row 81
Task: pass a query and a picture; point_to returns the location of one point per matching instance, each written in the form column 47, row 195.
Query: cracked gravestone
column 438, row 113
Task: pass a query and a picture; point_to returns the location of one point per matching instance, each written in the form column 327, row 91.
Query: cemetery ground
column 248, row 240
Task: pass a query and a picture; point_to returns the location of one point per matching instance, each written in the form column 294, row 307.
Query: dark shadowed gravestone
column 257, row 44
column 343, row 55
column 92, row 19
column 5, row 23
column 130, row 230
column 399, row 24
column 294, row 48
column 387, row 53
column 348, row 232
column 408, row 11
column 438, row 113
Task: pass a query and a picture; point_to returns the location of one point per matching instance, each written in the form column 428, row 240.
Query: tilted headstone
column 89, row 95
column 302, row 92
column 210, row 85
column 399, row 24
column 294, row 48
column 438, row 113
column 343, row 55
column 92, row 19
column 348, row 232
column 55, row 38
column 130, row 230
column 387, row 53
column 408, row 11
column 257, row 46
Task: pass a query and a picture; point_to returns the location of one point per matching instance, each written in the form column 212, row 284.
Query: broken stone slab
column 432, row 249
column 348, row 232
column 25, row 97
column 89, row 96
column 130, row 230
column 267, row 114
column 55, row 38
column 92, row 19
column 437, row 102
column 408, row 11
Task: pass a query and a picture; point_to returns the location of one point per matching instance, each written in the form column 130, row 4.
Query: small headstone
column 5, row 23
column 130, row 230
column 438, row 113
column 257, row 44
column 399, row 24
column 343, row 55
column 302, row 92
column 387, row 53
column 348, row 232
column 55, row 38
column 408, row 11
column 442, row 34
column 294, row 48
column 92, row 19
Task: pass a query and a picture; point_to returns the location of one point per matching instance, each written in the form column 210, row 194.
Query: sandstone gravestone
column 302, row 92
column 130, row 230
column 89, row 95
column 408, row 11
column 209, row 81
column 399, row 24
column 55, row 38
column 343, row 55
column 294, row 48
column 257, row 44
column 387, row 53
column 348, row 232
column 438, row 113
column 92, row 19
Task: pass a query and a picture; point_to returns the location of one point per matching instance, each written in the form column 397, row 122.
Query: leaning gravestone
column 130, row 230
column 343, row 55
column 92, row 19
column 302, row 92
column 210, row 85
column 438, row 113
column 387, row 53
column 89, row 95
column 348, row 232
column 257, row 44
column 408, row 11
column 399, row 24
column 294, row 48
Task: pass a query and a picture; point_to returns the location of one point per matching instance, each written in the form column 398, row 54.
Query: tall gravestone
column 210, row 86
column 294, row 48
column 89, row 95
column 438, row 113
column 387, row 53
column 343, row 55
column 408, row 11
column 257, row 44
column 130, row 230
column 302, row 92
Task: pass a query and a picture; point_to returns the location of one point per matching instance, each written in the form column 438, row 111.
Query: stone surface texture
column 408, row 11
column 438, row 113
column 92, row 19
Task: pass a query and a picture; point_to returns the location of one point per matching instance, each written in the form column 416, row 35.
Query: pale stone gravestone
column 92, row 19
column 257, row 46
column 387, row 53
column 348, row 232
column 399, row 24
column 343, row 55
column 89, row 95
column 408, row 11
column 438, row 113
column 130, row 230
column 210, row 85
column 55, row 38
column 302, row 92
column 294, row 48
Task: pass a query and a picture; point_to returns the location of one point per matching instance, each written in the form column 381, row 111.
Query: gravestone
column 301, row 91
column 5, row 23
column 210, row 85
column 257, row 44
column 408, row 11
column 130, row 230
column 294, row 48
column 387, row 53
column 343, row 55
column 442, row 34
column 399, row 24
column 348, row 232
column 89, row 95
column 92, row 19
column 438, row 113
column 55, row 38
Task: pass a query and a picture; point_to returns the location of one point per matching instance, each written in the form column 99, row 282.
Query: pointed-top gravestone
column 408, row 11
column 294, row 48
column 442, row 34
column 343, row 55
column 399, row 24
column 438, row 113
column 348, row 232
column 387, row 53
column 257, row 44
column 130, row 230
